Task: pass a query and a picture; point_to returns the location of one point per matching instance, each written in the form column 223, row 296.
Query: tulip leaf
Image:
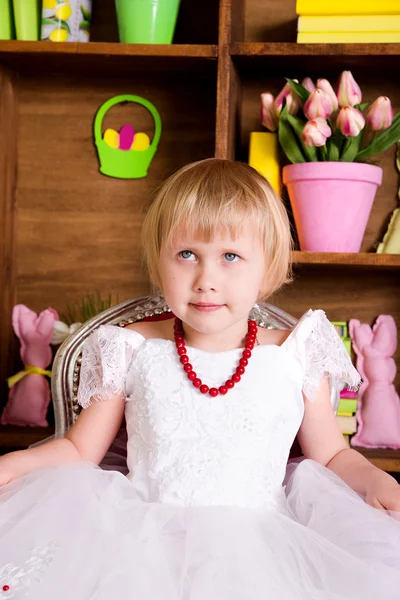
column 287, row 138
column 298, row 126
column 351, row 148
column 299, row 89
column 382, row 141
column 333, row 146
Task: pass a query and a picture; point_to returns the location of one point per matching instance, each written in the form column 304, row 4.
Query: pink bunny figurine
column 378, row 411
column 29, row 397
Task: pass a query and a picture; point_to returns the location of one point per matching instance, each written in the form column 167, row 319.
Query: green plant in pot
column 327, row 137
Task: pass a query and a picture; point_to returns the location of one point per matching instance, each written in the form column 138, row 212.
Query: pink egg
column 126, row 136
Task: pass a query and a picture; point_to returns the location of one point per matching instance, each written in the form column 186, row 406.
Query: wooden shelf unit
column 66, row 230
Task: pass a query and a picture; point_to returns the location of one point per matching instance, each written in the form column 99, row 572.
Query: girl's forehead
column 244, row 232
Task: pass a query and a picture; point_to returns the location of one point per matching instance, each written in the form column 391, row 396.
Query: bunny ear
column 23, row 319
column 361, row 334
column 385, row 335
column 45, row 323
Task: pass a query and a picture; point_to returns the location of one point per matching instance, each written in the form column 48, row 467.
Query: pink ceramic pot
column 331, row 203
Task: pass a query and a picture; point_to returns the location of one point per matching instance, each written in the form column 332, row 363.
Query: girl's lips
column 207, row 307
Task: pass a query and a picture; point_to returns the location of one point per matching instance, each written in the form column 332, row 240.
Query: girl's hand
column 384, row 494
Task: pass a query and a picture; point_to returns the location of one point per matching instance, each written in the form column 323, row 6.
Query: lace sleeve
column 323, row 355
column 106, row 356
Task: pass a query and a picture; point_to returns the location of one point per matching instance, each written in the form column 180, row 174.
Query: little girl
column 209, row 510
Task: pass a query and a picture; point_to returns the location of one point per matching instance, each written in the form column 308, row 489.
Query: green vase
column 146, row 21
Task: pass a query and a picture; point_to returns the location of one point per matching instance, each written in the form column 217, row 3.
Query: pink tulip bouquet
column 316, row 124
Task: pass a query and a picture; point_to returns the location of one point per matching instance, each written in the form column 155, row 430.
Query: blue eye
column 230, row 257
column 186, row 255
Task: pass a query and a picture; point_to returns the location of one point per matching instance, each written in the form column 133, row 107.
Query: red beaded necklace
column 251, row 339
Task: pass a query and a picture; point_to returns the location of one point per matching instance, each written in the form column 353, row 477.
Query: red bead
column 236, row 377
column 249, row 346
column 184, row 359
column 251, row 337
column 204, row 389
column 230, row 383
column 197, row 382
column 213, row 392
column 240, row 370
column 243, row 362
column 182, row 351
column 6, row 588
column 192, row 375
column 252, row 323
column 223, row 390
column 246, row 353
column 187, row 367
column 179, row 338
column 179, row 344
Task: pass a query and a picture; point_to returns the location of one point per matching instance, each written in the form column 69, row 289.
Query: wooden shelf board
column 362, row 259
column 14, row 436
column 384, row 458
column 294, row 49
column 108, row 49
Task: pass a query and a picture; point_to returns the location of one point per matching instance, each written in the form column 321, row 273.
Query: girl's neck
column 228, row 339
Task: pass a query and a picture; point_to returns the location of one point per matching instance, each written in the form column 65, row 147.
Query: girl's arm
column 321, row 440
column 88, row 439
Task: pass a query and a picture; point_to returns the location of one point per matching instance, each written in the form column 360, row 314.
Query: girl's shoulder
column 310, row 321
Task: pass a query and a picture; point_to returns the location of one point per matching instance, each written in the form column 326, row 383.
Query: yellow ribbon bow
column 28, row 370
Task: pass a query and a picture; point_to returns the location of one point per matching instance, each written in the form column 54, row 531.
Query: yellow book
column 264, row 156
column 347, row 23
column 347, row 425
column 368, row 37
column 348, row 7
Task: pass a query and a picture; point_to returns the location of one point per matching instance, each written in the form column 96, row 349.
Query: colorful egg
column 141, row 142
column 126, row 137
column 111, row 137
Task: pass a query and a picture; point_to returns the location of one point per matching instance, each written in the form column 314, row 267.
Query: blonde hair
column 213, row 194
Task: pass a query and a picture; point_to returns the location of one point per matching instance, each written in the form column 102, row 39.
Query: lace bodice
column 189, row 449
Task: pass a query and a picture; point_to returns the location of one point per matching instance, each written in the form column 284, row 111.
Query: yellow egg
column 111, row 137
column 59, row 35
column 141, row 141
column 49, row 3
column 64, row 12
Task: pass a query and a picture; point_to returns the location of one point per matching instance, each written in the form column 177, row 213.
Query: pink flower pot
column 331, row 202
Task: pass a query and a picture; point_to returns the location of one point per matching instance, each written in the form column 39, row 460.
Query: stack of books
column 346, row 413
column 348, row 21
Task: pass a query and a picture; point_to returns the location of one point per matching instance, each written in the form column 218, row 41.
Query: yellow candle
column 264, row 156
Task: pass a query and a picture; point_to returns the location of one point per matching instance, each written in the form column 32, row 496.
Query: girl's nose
column 205, row 280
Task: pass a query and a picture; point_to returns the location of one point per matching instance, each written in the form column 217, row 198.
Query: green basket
column 125, row 164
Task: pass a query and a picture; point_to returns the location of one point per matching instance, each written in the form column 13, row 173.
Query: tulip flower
column 380, row 114
column 318, row 104
column 325, row 86
column 308, row 84
column 349, row 93
column 268, row 117
column 316, row 132
column 293, row 102
column 350, row 121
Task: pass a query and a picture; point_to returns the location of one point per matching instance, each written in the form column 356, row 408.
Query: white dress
column 203, row 513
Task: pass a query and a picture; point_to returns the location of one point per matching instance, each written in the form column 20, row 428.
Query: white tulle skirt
column 81, row 533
